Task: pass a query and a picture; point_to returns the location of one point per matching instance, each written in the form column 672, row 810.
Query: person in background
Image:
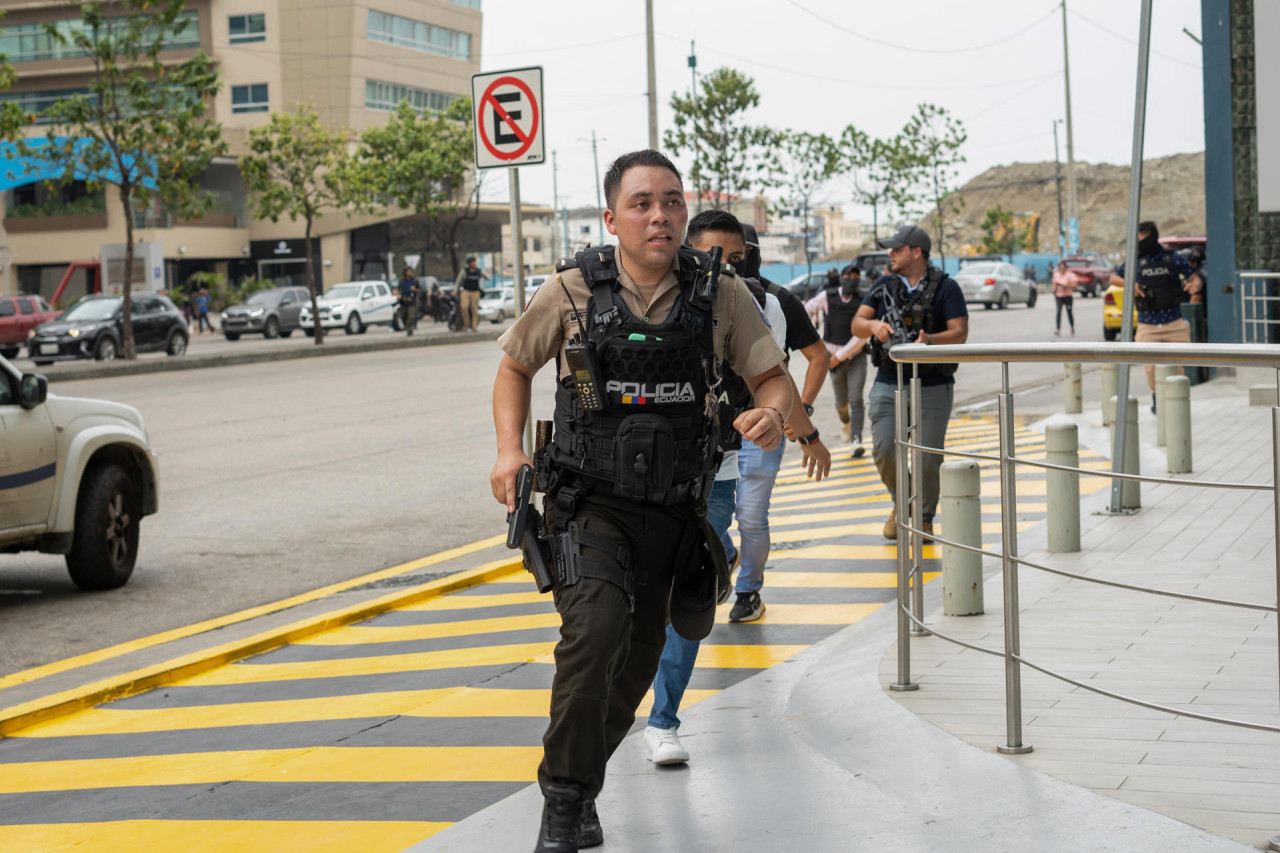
column 202, row 312
column 1064, row 289
column 846, row 352
column 408, row 301
column 468, row 287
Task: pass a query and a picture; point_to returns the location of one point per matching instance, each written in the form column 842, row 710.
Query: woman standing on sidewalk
column 1064, row 288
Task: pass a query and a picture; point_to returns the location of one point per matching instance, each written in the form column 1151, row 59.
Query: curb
column 137, row 367
column 130, row 683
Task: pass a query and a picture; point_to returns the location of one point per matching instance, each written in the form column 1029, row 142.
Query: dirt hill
column 1172, row 195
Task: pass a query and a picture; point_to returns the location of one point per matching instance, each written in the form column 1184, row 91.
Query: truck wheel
column 104, row 544
column 353, row 324
column 105, row 349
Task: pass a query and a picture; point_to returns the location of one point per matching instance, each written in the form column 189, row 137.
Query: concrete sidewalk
column 816, row 754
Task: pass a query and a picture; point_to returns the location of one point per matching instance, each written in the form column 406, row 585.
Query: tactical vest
column 919, row 313
column 655, row 440
column 1161, row 284
column 838, row 328
column 472, row 280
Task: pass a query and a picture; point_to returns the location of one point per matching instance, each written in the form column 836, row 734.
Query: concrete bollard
column 960, row 508
column 1110, row 381
column 1062, row 488
column 1074, row 393
column 1131, row 491
column 1163, row 372
column 1177, row 423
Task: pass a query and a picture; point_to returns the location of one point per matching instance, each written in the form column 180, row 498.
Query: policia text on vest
column 626, row 477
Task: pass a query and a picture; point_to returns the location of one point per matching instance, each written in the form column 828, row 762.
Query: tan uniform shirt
column 740, row 335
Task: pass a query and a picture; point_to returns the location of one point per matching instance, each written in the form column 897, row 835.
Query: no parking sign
column 509, row 118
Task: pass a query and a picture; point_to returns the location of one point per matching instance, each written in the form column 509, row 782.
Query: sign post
column 510, row 132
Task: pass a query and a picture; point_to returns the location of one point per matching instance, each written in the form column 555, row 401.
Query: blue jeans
column 758, row 471
column 675, row 667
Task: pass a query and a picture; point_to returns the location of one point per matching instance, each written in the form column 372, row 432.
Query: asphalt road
column 281, row 477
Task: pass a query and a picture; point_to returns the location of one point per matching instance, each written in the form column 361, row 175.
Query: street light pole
column 653, row 75
column 1073, row 224
column 693, row 100
column 1057, row 169
column 599, row 204
column 555, row 201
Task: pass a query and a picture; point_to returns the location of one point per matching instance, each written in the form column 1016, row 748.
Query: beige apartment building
column 353, row 60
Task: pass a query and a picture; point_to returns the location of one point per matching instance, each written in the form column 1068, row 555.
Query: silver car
column 272, row 313
column 995, row 283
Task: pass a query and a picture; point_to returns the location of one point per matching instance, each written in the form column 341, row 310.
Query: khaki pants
column 1177, row 332
column 470, row 308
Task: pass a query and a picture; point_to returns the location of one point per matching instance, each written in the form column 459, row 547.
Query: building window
column 470, row 4
column 537, row 244
column 35, row 103
column 379, row 95
column 31, row 43
column 248, row 28
column 418, row 35
column 249, row 99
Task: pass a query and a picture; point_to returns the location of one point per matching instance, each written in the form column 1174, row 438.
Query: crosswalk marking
column 471, row 667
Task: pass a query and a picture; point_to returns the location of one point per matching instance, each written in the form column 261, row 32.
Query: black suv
column 93, row 328
column 273, row 313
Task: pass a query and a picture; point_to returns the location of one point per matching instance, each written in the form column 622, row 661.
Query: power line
column 912, row 49
column 1017, row 94
column 1125, row 38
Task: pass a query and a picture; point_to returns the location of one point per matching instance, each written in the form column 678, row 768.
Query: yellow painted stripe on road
column 356, row 634
column 444, row 702
column 836, row 580
column 467, row 602
column 218, row 836
column 812, row 614
column 819, row 517
column 744, row 656
column 825, row 504
column 876, row 488
column 313, row 764
column 848, row 552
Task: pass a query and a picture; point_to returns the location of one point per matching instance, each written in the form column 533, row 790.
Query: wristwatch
column 808, row 439
column 808, row 410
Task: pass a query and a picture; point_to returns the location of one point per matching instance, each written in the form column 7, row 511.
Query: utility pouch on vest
column 645, row 456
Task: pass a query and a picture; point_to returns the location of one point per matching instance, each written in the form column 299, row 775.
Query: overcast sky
column 820, row 65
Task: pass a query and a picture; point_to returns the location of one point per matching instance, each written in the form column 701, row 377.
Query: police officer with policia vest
column 743, row 485
column 932, row 306
column 848, row 356
column 639, row 334
column 1163, row 278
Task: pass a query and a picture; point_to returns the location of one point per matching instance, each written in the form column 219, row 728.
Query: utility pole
column 599, row 204
column 1057, row 169
column 1073, row 224
column 556, row 206
column 693, row 99
column 653, row 75
column 562, row 215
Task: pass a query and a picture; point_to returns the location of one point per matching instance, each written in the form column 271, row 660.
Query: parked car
column 273, row 313
column 498, row 304
column 807, row 285
column 1092, row 273
column 76, row 478
column 19, row 314
column 1113, row 312
column 353, row 306
column 94, row 328
column 994, row 283
column 872, row 265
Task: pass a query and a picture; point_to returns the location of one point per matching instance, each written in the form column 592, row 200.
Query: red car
column 19, row 314
column 1092, row 272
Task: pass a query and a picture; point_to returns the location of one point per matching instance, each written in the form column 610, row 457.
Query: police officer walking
column 468, row 287
column 1163, row 278
column 848, row 358
column 933, row 308
column 638, row 334
column 408, row 300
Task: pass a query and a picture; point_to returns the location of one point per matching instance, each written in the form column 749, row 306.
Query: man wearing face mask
column 1165, row 280
column 847, row 357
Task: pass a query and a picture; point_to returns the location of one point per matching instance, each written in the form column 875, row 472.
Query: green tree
column 712, row 129
column 999, row 236
column 879, row 172
column 297, row 167
column 424, row 163
column 800, row 163
column 144, row 125
column 12, row 118
column 934, row 138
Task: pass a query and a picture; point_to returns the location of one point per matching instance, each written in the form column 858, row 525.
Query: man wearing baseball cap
column 933, row 308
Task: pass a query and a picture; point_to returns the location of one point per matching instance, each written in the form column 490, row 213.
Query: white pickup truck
column 76, row 477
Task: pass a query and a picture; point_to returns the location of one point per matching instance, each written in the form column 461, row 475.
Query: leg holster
column 578, row 555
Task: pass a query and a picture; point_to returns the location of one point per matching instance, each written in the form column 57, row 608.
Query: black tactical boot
column 561, row 815
column 590, row 833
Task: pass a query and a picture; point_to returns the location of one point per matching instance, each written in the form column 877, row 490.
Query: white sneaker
column 664, row 746
column 859, row 449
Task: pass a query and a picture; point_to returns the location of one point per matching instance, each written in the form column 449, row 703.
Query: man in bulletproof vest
column 468, row 286
column 847, row 353
column 639, row 334
column 1164, row 281
column 932, row 306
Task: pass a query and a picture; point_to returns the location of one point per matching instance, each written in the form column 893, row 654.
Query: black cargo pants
column 607, row 657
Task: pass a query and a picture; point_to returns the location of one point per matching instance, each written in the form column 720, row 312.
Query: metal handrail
column 911, row 534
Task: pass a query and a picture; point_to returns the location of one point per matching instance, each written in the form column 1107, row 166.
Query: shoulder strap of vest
column 600, row 272
column 771, row 286
column 566, row 264
column 696, row 274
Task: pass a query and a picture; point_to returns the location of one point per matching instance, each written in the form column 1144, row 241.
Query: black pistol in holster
column 523, row 531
